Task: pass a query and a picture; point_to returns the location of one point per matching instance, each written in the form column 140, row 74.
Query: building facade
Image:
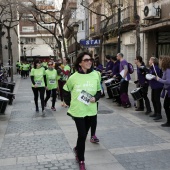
column 35, row 40
column 74, row 14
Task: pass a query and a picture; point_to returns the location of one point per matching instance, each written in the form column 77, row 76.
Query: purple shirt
column 166, row 80
column 141, row 76
column 154, row 83
column 109, row 66
column 122, row 64
column 115, row 69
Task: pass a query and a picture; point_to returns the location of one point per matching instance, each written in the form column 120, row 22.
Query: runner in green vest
column 51, row 78
column 38, row 79
column 81, row 92
column 18, row 66
column 65, row 73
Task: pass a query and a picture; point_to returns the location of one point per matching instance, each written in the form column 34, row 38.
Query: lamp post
column 22, row 48
column 75, row 28
column 119, row 4
column 24, row 53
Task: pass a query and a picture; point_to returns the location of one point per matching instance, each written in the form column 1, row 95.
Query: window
column 27, row 17
column 29, row 40
column 50, row 27
column 28, row 29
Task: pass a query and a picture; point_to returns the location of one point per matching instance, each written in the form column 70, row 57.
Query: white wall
column 38, row 49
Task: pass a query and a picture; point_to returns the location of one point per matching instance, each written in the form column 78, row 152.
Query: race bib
column 84, row 97
column 38, row 83
column 52, row 81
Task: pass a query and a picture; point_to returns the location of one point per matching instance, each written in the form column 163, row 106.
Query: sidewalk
column 129, row 140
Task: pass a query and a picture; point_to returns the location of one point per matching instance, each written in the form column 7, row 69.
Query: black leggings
column 167, row 107
column 41, row 90
column 54, row 95
column 83, row 125
column 156, row 101
column 146, row 99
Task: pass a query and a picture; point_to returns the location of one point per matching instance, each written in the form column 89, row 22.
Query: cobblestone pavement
column 129, row 140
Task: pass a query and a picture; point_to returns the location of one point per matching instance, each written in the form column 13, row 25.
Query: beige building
column 156, row 28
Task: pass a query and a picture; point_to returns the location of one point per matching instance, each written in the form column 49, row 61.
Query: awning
column 156, row 26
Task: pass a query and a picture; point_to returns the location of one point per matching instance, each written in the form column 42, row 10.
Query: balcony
column 95, row 30
column 127, row 21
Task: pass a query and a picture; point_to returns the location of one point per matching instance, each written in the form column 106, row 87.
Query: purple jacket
column 109, row 66
column 115, row 69
column 166, row 80
column 141, row 77
column 154, row 83
column 122, row 64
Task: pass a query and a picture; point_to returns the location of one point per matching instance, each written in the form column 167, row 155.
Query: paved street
column 129, row 140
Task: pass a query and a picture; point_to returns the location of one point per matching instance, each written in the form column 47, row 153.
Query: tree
column 45, row 14
column 107, row 14
column 9, row 20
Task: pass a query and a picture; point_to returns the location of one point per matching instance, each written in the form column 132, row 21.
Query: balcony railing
column 95, row 30
column 126, row 18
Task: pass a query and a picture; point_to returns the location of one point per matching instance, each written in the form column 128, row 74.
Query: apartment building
column 74, row 13
column 36, row 41
column 156, row 28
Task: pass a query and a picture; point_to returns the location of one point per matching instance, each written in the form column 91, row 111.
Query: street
column 129, row 140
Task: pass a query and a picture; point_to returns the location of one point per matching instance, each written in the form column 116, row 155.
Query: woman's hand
column 92, row 100
column 157, row 78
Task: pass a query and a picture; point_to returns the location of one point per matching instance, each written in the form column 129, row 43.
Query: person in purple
column 124, row 83
column 109, row 64
column 116, row 66
column 165, row 65
column 143, row 83
column 156, row 88
column 108, row 70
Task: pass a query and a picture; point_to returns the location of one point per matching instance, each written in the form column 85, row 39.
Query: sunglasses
column 50, row 64
column 87, row 60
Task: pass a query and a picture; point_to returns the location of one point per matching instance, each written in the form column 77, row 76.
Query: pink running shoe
column 94, row 139
column 53, row 108
column 82, row 165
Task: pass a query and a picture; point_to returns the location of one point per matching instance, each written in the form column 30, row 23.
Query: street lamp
column 22, row 48
column 25, row 53
column 119, row 4
column 75, row 28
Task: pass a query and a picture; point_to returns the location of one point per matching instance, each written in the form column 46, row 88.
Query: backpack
column 130, row 68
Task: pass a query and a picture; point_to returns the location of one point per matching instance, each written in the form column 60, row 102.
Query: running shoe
column 45, row 104
column 53, row 108
column 82, row 165
column 94, row 139
column 37, row 109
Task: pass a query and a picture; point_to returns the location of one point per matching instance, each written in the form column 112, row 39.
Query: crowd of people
column 82, row 85
column 159, row 83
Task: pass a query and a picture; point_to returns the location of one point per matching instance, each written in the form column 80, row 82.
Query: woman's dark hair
column 114, row 58
column 97, row 62
column 107, row 57
column 140, row 59
column 35, row 63
column 79, row 60
column 67, row 59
